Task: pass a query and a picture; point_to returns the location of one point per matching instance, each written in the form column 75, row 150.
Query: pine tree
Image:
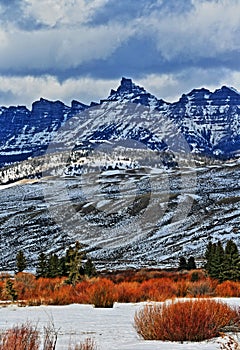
column 21, row 261
column 208, row 256
column 231, row 264
column 10, row 290
column 62, row 267
column 74, row 258
column 41, row 270
column 89, row 268
column 182, row 265
column 223, row 264
column 53, row 266
column 217, row 259
column 191, row 265
column 211, row 260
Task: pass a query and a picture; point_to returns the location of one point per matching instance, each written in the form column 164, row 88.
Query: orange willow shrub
column 25, row 284
column 2, row 284
column 228, row 289
column 182, row 288
column 128, row 292
column 24, row 337
column 80, row 292
column 63, row 295
column 102, row 293
column 158, row 289
column 192, row 320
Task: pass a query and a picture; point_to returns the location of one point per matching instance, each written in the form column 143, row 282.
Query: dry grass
column 87, row 344
column 27, row 337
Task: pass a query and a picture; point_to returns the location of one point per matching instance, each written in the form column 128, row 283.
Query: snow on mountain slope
column 209, row 121
column 25, row 133
column 128, row 177
column 126, row 216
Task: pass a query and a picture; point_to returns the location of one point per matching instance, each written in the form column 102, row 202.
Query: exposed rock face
column 210, row 121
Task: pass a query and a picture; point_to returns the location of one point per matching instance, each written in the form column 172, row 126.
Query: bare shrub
column 23, row 337
column 192, row 320
column 50, row 337
column 87, row 344
column 229, row 343
column 201, row 288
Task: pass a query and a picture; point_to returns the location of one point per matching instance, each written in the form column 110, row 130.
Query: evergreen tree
column 74, row 258
column 89, row 268
column 231, row 264
column 182, row 265
column 223, row 264
column 217, row 260
column 10, row 290
column 21, row 261
column 41, row 270
column 62, row 267
column 208, row 256
column 215, row 263
column 53, row 266
column 191, row 265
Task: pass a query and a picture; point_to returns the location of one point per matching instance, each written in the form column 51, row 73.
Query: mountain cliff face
column 129, row 177
column 26, row 133
column 209, row 121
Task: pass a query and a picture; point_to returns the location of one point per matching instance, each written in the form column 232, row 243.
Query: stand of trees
column 186, row 264
column 72, row 266
column 223, row 263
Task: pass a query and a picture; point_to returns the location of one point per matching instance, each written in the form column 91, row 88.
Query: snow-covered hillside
column 127, row 215
column 138, row 180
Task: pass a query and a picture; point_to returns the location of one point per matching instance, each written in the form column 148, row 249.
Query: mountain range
column 209, row 121
column 138, row 180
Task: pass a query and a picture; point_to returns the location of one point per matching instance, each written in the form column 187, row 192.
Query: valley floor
column 111, row 328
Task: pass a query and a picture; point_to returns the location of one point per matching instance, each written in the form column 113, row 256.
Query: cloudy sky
column 80, row 49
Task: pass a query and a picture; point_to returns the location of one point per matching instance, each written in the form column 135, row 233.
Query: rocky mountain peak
column 128, row 91
column 210, row 121
column 127, row 88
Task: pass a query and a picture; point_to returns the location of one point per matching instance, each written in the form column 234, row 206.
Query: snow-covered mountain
column 210, row 122
column 138, row 180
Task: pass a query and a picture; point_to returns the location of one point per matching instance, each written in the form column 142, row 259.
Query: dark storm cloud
column 137, row 37
column 160, row 40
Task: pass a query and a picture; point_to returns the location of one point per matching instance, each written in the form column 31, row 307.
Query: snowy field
column 110, row 328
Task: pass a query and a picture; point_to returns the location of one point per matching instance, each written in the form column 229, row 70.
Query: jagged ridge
column 210, row 121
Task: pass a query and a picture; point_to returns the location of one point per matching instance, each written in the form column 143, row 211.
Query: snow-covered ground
column 110, row 328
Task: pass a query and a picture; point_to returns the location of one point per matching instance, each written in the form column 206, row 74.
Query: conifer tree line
column 223, row 263
column 188, row 264
column 73, row 265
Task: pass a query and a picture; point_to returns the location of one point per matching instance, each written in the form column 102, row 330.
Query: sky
column 80, row 49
